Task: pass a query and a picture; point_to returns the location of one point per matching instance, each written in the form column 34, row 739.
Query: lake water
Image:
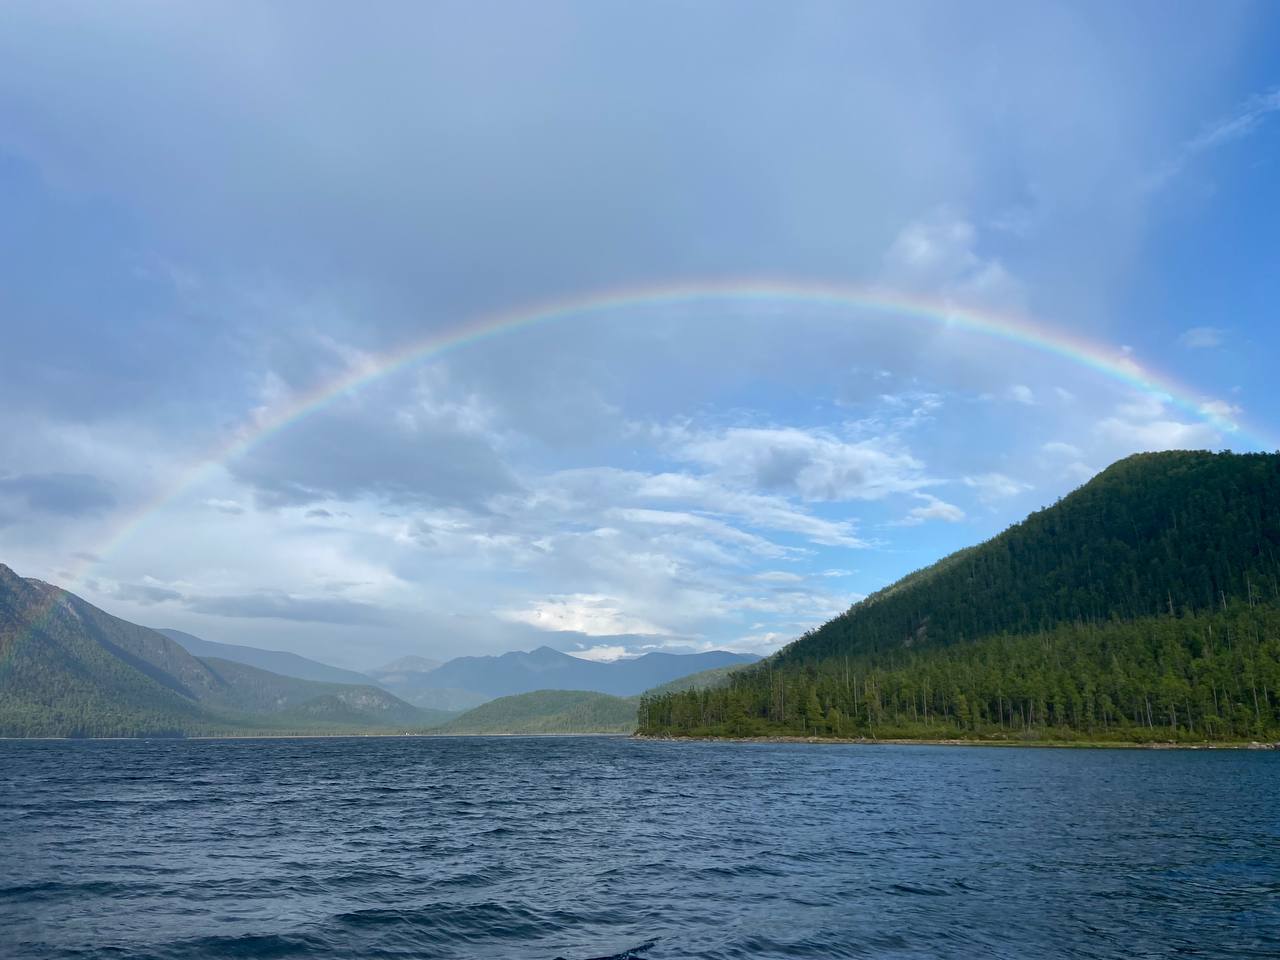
column 597, row 847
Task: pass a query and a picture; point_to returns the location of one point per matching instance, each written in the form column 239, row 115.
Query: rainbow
column 1114, row 364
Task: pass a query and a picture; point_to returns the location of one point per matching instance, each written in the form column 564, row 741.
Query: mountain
column 411, row 678
column 277, row 661
column 70, row 669
column 546, row 712
column 1145, row 604
column 409, row 664
column 548, row 669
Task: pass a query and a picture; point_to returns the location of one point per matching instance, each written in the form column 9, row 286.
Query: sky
column 213, row 215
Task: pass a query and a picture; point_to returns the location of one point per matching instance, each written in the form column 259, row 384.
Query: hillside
column 70, row 669
column 703, row 680
column 1143, row 602
column 277, row 661
column 546, row 712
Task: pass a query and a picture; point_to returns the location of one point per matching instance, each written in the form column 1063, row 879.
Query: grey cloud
column 812, row 464
column 280, row 606
column 66, row 494
column 145, row 593
column 345, row 455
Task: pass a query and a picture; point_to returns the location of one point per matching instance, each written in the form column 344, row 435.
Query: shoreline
column 776, row 739
column 955, row 742
column 311, row 736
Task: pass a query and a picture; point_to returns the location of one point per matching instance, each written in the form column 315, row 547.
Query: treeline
column 1195, row 677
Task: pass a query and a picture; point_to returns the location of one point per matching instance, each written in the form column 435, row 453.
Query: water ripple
column 611, row 849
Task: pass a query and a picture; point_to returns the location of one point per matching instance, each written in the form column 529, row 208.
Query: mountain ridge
column 1147, row 581
column 68, row 668
column 283, row 662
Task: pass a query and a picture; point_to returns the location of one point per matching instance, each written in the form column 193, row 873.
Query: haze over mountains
column 548, row 669
column 68, row 668
column 277, row 661
column 467, row 682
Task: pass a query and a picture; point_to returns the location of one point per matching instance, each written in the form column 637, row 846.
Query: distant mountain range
column 466, row 682
column 277, row 661
column 70, row 669
column 548, row 669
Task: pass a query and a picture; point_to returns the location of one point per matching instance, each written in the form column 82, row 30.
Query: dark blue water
column 588, row 847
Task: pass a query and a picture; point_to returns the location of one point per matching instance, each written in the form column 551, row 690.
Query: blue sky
column 209, row 211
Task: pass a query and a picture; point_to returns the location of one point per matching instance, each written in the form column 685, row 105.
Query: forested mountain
column 703, row 680
column 548, row 711
column 277, row 661
column 70, row 669
column 1143, row 604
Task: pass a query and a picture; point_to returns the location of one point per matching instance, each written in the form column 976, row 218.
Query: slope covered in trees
column 1143, row 605
column 70, row 669
column 548, row 711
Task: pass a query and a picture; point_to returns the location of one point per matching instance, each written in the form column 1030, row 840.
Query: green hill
column 548, row 711
column 70, row 669
column 1142, row 605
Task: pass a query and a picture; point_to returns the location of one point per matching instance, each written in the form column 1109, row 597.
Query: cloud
column 995, row 486
column 145, row 593
column 1201, row 338
column 1221, row 410
column 602, row 653
column 779, row 576
column 933, row 509
column 1156, row 434
column 940, row 254
column 595, row 615
column 1240, row 123
column 63, row 494
column 282, row 606
column 1021, row 393
column 391, row 446
column 225, row 506
column 812, row 464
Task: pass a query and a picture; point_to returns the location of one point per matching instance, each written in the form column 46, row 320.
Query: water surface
column 592, row 847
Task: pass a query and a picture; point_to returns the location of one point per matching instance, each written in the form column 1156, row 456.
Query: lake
column 586, row 847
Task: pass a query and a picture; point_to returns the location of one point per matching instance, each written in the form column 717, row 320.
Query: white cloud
column 939, row 254
column 1162, row 434
column 995, row 486
column 933, row 509
column 595, row 615
column 1201, row 338
column 1021, row 393
column 1235, row 126
column 813, row 464
column 602, row 653
column 1221, row 410
column 225, row 506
